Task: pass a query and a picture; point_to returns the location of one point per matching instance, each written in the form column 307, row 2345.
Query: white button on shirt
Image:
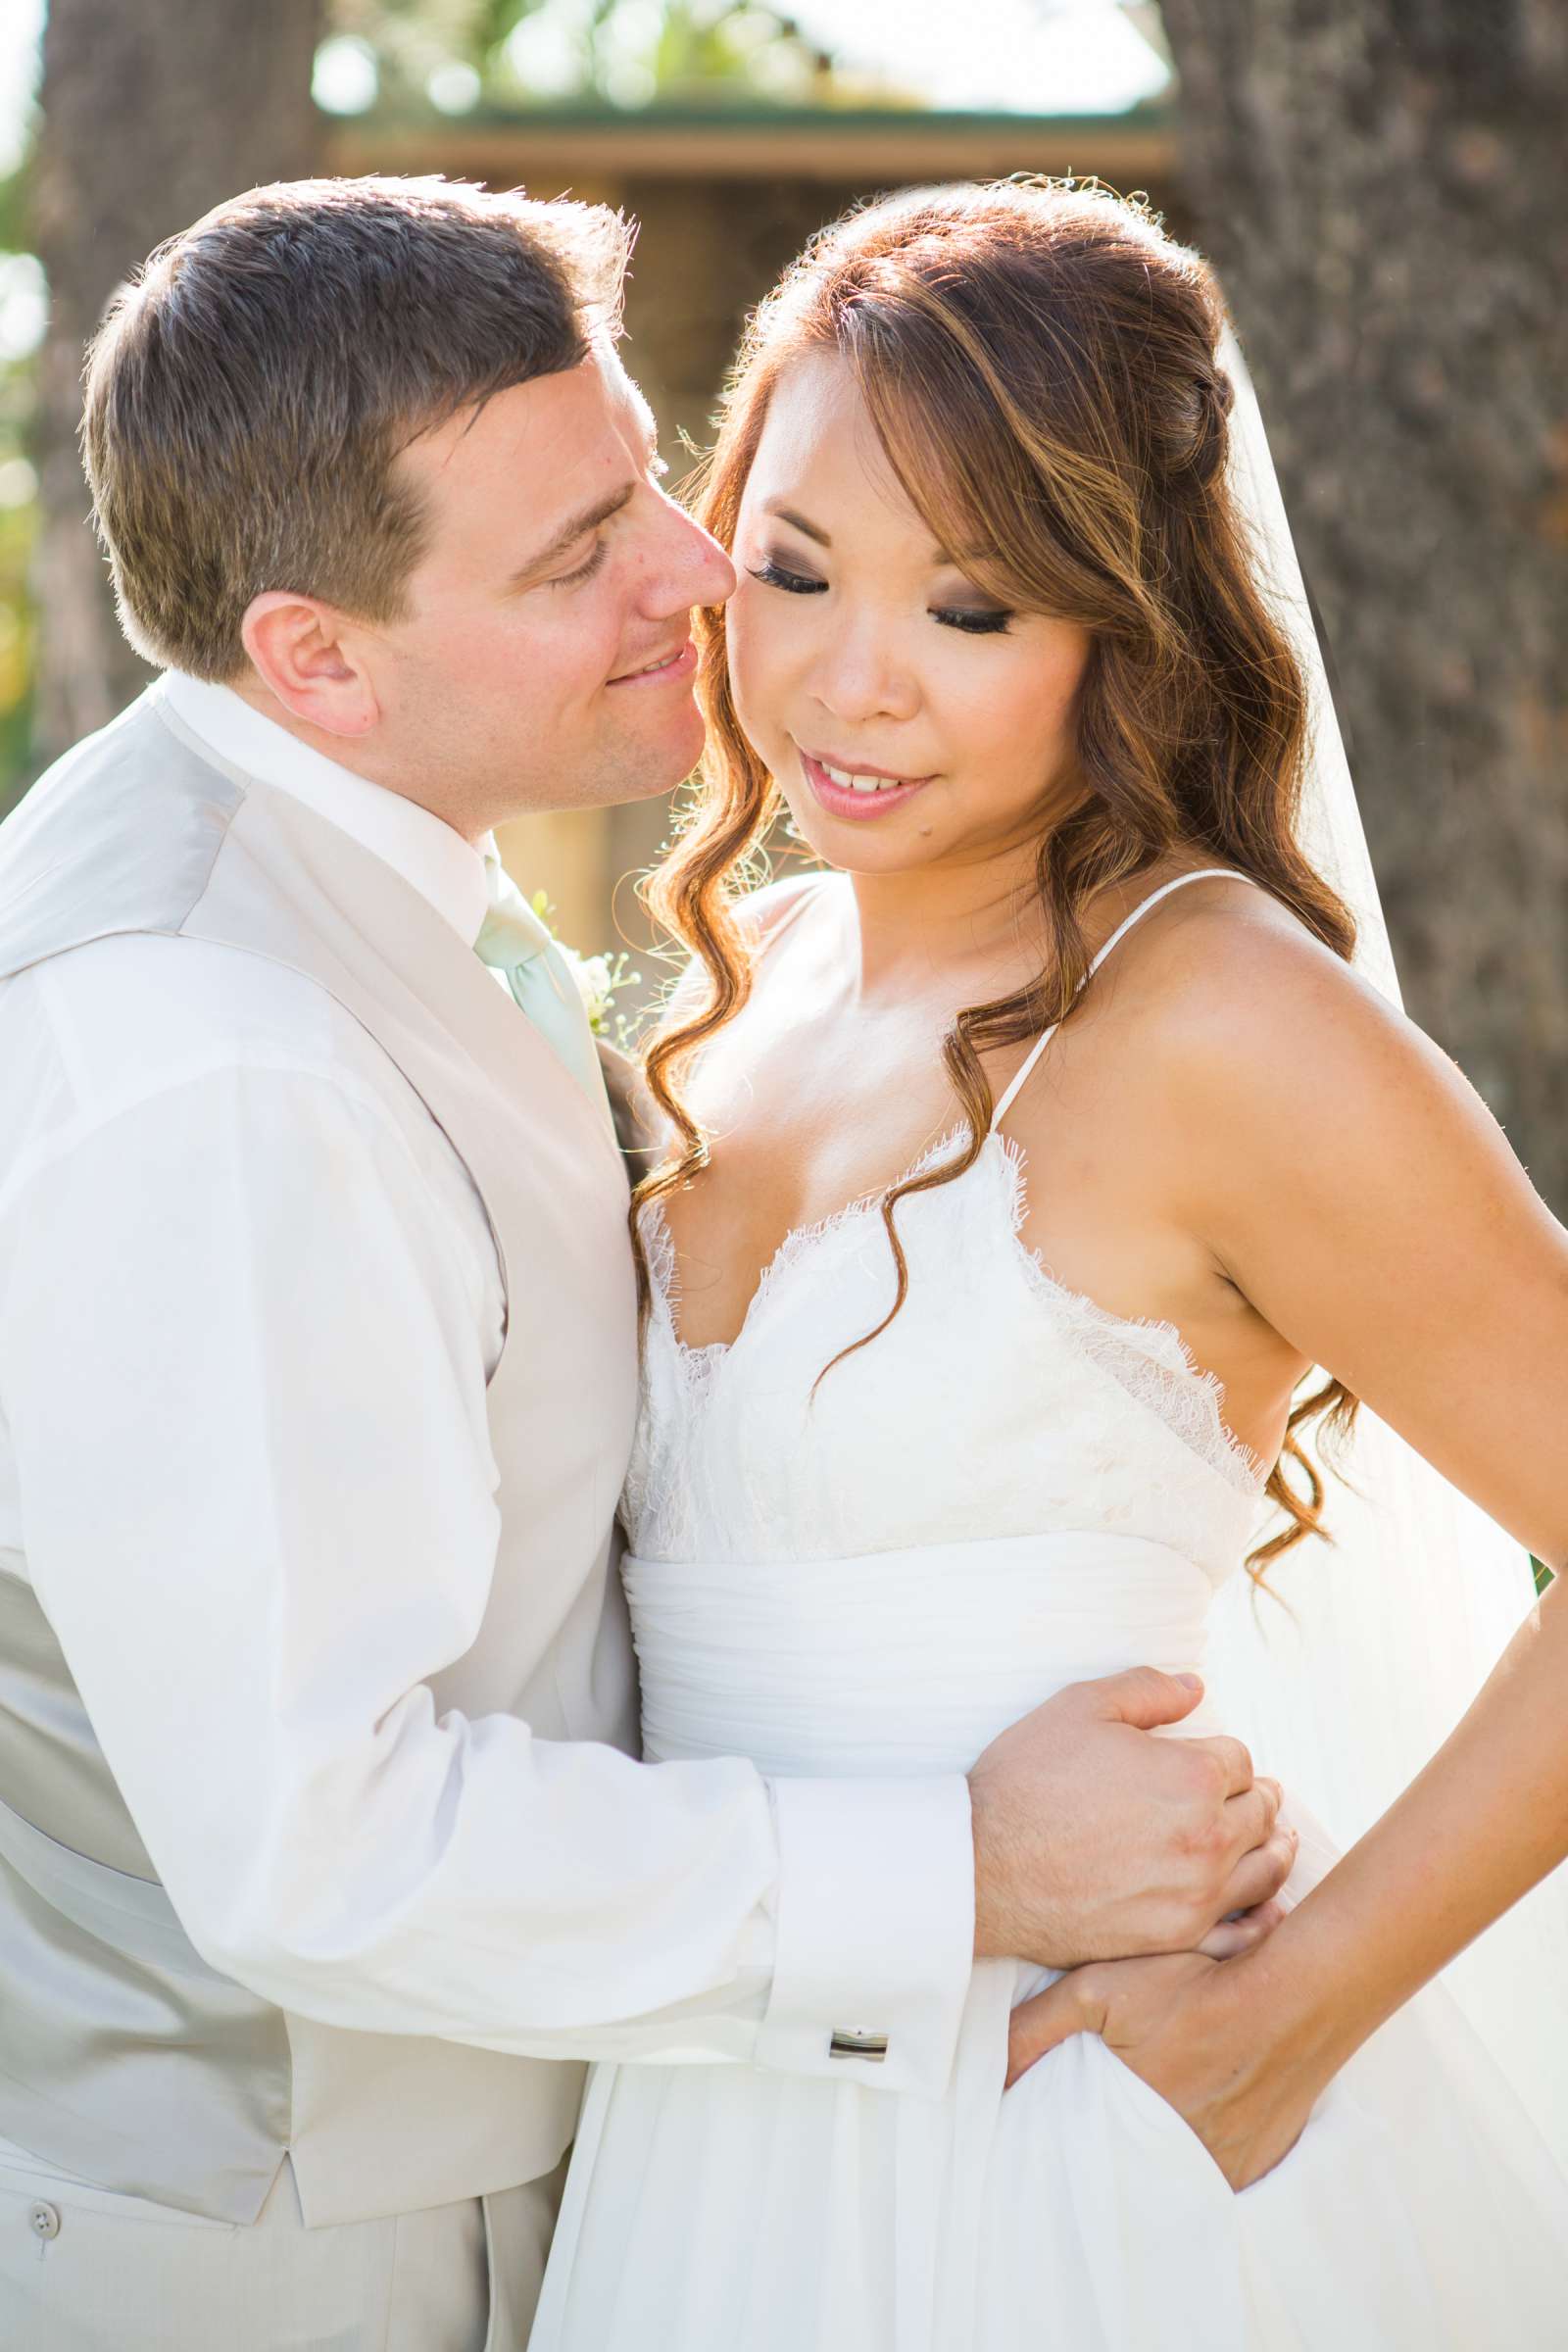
column 157, row 1100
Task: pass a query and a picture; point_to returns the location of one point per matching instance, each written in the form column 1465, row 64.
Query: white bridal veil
column 1389, row 1633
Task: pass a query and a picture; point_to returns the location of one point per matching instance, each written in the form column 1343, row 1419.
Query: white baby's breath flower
column 598, row 978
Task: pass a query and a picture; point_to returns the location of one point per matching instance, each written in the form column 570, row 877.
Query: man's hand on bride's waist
column 1095, row 1840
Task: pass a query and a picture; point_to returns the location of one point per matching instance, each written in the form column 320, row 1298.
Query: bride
column 1024, row 1166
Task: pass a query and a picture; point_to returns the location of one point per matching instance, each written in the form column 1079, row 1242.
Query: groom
column 324, row 1851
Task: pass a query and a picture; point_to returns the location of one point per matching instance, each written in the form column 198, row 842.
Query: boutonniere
column 599, row 979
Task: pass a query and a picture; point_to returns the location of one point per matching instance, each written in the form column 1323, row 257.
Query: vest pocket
column 133, row 1915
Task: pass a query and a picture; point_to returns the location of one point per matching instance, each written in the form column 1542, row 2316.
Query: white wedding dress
column 1011, row 1490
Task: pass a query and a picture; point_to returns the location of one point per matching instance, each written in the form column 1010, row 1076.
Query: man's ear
column 305, row 653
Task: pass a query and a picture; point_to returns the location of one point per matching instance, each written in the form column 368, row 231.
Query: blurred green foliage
column 626, row 53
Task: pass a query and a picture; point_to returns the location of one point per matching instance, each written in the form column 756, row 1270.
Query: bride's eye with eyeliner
column 974, row 620
column 774, row 575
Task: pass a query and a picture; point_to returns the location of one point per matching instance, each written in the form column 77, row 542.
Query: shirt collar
column 433, row 859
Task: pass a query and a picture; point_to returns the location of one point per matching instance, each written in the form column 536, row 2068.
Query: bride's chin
column 887, row 845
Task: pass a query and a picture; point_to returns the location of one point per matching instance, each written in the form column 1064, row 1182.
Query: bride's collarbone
column 1093, row 1190
column 783, row 1165
column 805, row 1120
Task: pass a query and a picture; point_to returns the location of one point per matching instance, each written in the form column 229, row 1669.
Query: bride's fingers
column 1066, row 2008
column 1233, row 1936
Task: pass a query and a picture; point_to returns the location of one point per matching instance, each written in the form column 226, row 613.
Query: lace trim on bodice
column 1148, row 1358
column 697, row 1364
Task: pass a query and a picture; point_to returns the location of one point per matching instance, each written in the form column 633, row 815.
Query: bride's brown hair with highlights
column 1039, row 362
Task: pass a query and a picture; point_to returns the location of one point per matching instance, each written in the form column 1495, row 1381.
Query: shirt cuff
column 874, row 1930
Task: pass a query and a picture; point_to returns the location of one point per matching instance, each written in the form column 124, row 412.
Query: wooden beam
column 546, row 152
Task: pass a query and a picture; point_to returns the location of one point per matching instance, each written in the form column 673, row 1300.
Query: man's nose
column 694, row 568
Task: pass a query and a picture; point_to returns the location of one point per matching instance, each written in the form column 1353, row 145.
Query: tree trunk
column 1380, row 189
column 153, row 111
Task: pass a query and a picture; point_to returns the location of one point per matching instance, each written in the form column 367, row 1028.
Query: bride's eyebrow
column 797, row 523
column 941, row 559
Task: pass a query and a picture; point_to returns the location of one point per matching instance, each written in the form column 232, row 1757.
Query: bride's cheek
column 753, row 666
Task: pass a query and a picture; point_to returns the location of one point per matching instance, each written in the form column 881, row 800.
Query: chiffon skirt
column 718, row 2209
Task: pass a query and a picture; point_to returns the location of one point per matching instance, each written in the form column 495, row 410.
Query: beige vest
column 124, row 2057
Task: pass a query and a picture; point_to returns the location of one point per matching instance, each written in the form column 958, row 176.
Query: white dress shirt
column 193, row 1141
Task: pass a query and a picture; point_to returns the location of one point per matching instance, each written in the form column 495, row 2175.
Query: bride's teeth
column 852, row 783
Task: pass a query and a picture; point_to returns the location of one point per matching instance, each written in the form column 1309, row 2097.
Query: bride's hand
column 1203, row 2033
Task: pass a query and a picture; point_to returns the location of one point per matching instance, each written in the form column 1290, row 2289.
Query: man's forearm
column 290, row 1565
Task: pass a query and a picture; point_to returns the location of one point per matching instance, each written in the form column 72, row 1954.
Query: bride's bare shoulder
column 1225, row 967
column 1274, row 1055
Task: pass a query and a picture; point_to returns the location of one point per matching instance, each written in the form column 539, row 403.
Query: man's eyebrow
column 798, row 523
column 578, row 527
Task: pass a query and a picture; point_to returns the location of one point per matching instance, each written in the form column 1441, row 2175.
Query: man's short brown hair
column 249, row 392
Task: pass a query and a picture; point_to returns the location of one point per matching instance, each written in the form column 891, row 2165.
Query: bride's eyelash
column 969, row 622
column 774, row 576
column 974, row 623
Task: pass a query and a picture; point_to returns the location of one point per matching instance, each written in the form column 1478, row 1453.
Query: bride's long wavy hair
column 1039, row 361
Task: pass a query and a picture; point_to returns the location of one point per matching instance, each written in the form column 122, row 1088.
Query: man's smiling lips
column 676, row 667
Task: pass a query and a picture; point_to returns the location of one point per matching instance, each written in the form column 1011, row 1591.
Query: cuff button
column 857, row 2041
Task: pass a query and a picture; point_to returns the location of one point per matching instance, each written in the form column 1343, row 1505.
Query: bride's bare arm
column 1354, row 1187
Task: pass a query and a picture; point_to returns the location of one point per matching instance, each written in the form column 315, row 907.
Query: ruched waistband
column 893, row 1661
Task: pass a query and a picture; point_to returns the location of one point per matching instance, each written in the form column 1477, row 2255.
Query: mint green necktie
column 513, row 941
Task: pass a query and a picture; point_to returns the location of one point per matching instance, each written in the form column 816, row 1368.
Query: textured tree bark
column 1381, row 185
column 153, row 111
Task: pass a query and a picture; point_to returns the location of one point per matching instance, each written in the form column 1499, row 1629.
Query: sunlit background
column 466, row 62
column 1087, row 56
column 730, row 130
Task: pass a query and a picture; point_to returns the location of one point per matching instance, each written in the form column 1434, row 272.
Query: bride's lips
column 676, row 667
column 843, row 799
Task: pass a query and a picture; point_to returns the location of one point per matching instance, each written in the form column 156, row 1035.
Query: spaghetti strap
column 1207, row 873
column 1015, row 1088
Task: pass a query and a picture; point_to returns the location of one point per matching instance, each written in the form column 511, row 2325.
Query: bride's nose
column 860, row 674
